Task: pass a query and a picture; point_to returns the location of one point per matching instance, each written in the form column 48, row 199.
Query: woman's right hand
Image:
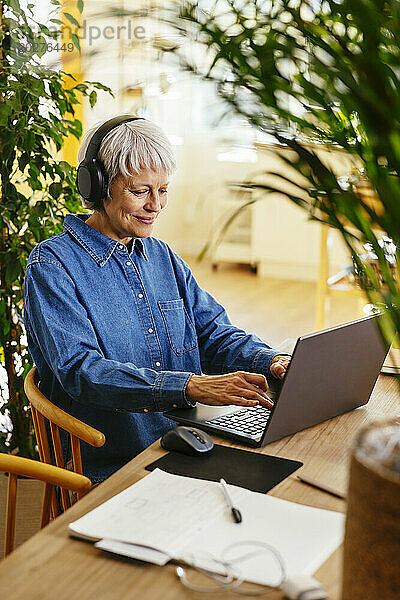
column 241, row 388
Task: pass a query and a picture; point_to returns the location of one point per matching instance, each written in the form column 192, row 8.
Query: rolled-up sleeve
column 70, row 347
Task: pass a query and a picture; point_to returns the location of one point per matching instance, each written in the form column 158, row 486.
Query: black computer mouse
column 187, row 440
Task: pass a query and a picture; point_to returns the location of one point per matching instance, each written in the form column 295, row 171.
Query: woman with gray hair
column 117, row 325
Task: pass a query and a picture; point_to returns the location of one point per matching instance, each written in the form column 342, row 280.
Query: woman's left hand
column 279, row 365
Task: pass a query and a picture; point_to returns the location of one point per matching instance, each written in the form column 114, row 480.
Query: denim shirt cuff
column 262, row 361
column 169, row 390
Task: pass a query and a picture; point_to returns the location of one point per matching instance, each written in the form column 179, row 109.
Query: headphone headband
column 101, row 132
column 91, row 178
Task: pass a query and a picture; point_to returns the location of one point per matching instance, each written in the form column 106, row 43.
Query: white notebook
column 165, row 516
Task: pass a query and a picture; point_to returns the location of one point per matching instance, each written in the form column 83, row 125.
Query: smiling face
column 135, row 204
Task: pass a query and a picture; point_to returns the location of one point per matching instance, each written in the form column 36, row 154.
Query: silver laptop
column 331, row 372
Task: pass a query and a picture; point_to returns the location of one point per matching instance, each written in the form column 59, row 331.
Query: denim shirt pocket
column 180, row 329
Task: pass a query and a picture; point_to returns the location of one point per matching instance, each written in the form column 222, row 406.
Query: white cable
column 232, row 578
column 228, row 580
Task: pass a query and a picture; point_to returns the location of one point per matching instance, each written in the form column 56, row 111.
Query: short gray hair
column 130, row 148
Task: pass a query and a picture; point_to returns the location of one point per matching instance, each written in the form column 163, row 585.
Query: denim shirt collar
column 99, row 246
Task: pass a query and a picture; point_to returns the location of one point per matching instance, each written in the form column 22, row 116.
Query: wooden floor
column 273, row 309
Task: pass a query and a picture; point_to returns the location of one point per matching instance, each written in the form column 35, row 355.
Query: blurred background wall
column 217, row 151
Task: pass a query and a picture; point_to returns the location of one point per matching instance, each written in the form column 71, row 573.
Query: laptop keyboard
column 251, row 421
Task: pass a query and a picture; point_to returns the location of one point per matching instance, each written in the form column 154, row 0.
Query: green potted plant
column 37, row 113
column 325, row 73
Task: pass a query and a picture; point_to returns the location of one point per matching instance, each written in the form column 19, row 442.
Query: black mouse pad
column 256, row 472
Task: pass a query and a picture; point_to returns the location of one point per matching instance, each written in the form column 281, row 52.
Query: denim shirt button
column 128, row 263
column 158, row 364
column 145, row 410
column 150, row 330
column 121, row 247
column 140, row 295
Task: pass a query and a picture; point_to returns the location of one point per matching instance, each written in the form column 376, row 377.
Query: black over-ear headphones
column 91, row 177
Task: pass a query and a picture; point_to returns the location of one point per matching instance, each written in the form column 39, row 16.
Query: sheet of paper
column 304, row 536
column 188, row 519
column 134, row 551
column 160, row 511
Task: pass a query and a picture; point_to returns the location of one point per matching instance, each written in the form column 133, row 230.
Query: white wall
column 288, row 242
column 285, row 242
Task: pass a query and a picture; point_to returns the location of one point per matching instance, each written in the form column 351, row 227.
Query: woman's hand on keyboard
column 242, row 388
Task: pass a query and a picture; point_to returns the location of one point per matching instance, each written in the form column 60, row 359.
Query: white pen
column 235, row 511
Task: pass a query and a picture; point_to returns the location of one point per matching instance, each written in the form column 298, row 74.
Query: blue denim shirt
column 116, row 336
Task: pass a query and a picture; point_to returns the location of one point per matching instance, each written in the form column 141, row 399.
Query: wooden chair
column 52, row 476
column 43, row 409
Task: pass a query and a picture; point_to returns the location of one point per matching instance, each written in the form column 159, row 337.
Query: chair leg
column 11, row 512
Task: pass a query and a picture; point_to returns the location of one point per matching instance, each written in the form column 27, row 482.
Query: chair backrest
column 51, row 475
column 42, row 410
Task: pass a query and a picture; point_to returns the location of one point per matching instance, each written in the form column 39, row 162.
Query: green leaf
column 100, row 86
column 44, row 29
column 34, row 171
column 75, row 127
column 65, row 167
column 40, row 46
column 82, row 87
column 92, row 98
column 80, row 6
column 29, row 141
column 5, row 111
column 13, row 269
column 71, row 19
column 40, row 208
column 6, row 327
column 55, row 189
column 14, row 4
column 11, row 24
column 75, row 41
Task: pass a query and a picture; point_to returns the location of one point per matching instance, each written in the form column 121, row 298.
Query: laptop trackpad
column 203, row 412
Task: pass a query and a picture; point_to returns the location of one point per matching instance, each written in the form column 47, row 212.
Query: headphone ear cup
column 91, row 177
column 91, row 181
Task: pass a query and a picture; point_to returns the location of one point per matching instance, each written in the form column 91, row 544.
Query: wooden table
column 53, row 566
